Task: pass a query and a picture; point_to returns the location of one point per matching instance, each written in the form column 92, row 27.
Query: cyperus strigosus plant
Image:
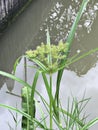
column 49, row 59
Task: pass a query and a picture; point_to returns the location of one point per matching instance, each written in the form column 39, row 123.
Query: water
column 60, row 21
column 80, row 77
column 20, row 35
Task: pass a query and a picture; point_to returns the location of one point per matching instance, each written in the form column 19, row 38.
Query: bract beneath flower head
column 57, row 53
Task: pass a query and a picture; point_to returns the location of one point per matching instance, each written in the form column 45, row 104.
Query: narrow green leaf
column 71, row 116
column 74, row 26
column 16, row 64
column 43, row 68
column 49, row 57
column 32, row 93
column 69, row 62
column 14, row 78
column 23, row 114
column 89, row 124
column 59, row 77
column 46, row 84
column 82, row 56
column 16, row 110
column 70, row 38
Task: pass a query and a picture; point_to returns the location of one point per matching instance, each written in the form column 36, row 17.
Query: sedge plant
column 48, row 59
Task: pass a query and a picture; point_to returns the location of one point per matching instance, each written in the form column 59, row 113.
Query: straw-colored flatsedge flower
column 44, row 52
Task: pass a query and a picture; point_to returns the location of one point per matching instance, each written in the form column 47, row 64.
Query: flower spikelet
column 57, row 52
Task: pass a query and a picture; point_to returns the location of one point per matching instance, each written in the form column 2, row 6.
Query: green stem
column 69, row 42
column 47, row 85
column 27, row 106
column 49, row 92
column 32, row 102
column 51, row 114
column 25, row 77
column 25, row 69
column 32, row 93
column 74, row 26
column 56, row 100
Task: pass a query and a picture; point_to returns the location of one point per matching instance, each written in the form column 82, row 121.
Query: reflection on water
column 6, row 117
column 20, row 35
column 62, row 16
column 71, row 85
column 59, row 21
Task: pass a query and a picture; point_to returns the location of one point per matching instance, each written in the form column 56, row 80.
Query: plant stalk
column 25, row 78
column 51, row 114
column 69, row 42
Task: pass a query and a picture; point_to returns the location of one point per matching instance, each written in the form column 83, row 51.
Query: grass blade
column 46, row 84
column 82, row 56
column 69, row 40
column 16, row 63
column 89, row 124
column 71, row 116
column 39, row 64
column 49, row 43
column 74, row 26
column 14, row 78
column 69, row 62
column 32, row 93
column 24, row 114
column 16, row 110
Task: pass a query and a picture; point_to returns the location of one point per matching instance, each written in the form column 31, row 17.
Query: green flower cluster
column 56, row 53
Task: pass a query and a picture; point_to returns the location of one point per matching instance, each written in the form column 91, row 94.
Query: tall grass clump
column 49, row 59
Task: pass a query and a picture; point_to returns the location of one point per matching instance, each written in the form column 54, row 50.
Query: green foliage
column 48, row 59
column 27, row 105
column 43, row 53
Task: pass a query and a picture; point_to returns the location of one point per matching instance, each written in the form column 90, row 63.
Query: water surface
column 20, row 35
column 81, row 76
